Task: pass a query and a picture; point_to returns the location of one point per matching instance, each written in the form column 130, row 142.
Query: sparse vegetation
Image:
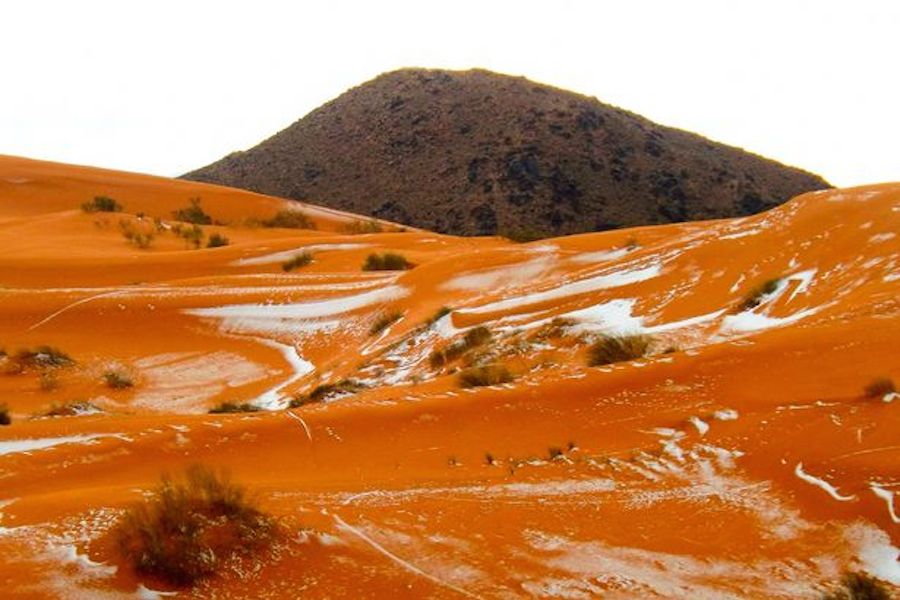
column 389, row 261
column 489, row 459
column 298, row 260
column 289, row 219
column 192, row 236
column 138, row 236
column 384, row 321
column 327, row 390
column 475, row 337
column 42, row 357
column 555, row 452
column 101, row 204
column 859, row 586
column 483, row 376
column 188, row 528
column 234, row 407
column 217, row 240
column 880, row 387
column 193, row 213
column 118, row 380
column 754, row 297
column 618, row 348
column 359, row 227
column 5, row 419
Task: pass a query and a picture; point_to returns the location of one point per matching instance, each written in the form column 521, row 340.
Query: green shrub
column 118, row 380
column 140, row 237
column 5, row 419
column 187, row 529
column 289, row 219
column 486, row 375
column 298, row 260
column 217, row 240
column 618, row 348
column 101, row 204
column 193, row 213
column 859, row 586
column 384, row 321
column 754, row 297
column 388, row 261
column 234, row 407
column 880, row 387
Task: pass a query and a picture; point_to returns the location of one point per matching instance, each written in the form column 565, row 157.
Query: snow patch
column 821, row 483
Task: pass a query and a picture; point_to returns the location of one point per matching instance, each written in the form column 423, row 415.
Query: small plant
column 188, row 528
column 384, row 321
column 140, row 237
column 489, row 459
column 101, row 204
column 72, row 409
column 484, row 376
column 880, row 387
column 5, row 419
column 388, row 261
column 298, row 260
column 555, row 452
column 359, row 227
column 42, row 357
column 754, row 297
column 118, row 380
column 192, row 236
column 234, row 407
column 613, row 349
column 193, row 213
column 475, row 337
column 217, row 240
column 344, row 387
column 289, row 219
column 859, row 586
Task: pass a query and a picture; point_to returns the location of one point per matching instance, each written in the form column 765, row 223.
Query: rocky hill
column 476, row 153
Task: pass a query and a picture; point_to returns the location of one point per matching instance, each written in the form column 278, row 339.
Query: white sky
column 166, row 86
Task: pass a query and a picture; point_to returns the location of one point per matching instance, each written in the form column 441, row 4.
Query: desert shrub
column 477, row 336
column 233, row 407
column 879, row 387
column 289, row 219
column 554, row 452
column 5, row 419
column 327, row 390
column 555, row 329
column 754, row 297
column 101, row 204
column 192, row 236
column 486, row 375
column 388, row 261
column 139, row 237
column 859, row 586
column 298, row 260
column 360, row 227
column 188, row 528
column 217, row 240
column 384, row 321
column 618, row 348
column 41, row 357
column 118, row 380
column 71, row 409
column 193, row 213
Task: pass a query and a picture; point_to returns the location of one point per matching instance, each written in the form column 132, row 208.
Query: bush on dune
column 5, row 419
column 618, row 348
column 101, row 204
column 298, row 260
column 484, row 376
column 388, row 261
column 289, row 219
column 187, row 529
column 193, row 213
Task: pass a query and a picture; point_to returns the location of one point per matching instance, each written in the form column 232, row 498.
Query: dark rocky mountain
column 478, row 153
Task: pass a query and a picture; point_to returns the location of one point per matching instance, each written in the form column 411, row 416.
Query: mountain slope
column 477, row 153
column 740, row 458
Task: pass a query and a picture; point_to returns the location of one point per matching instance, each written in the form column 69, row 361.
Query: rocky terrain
column 477, row 153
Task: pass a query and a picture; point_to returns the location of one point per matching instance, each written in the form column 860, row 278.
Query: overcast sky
column 166, row 86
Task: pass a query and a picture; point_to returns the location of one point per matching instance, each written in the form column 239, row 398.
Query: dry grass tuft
column 618, row 348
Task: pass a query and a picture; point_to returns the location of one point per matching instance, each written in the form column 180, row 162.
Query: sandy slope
column 746, row 462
